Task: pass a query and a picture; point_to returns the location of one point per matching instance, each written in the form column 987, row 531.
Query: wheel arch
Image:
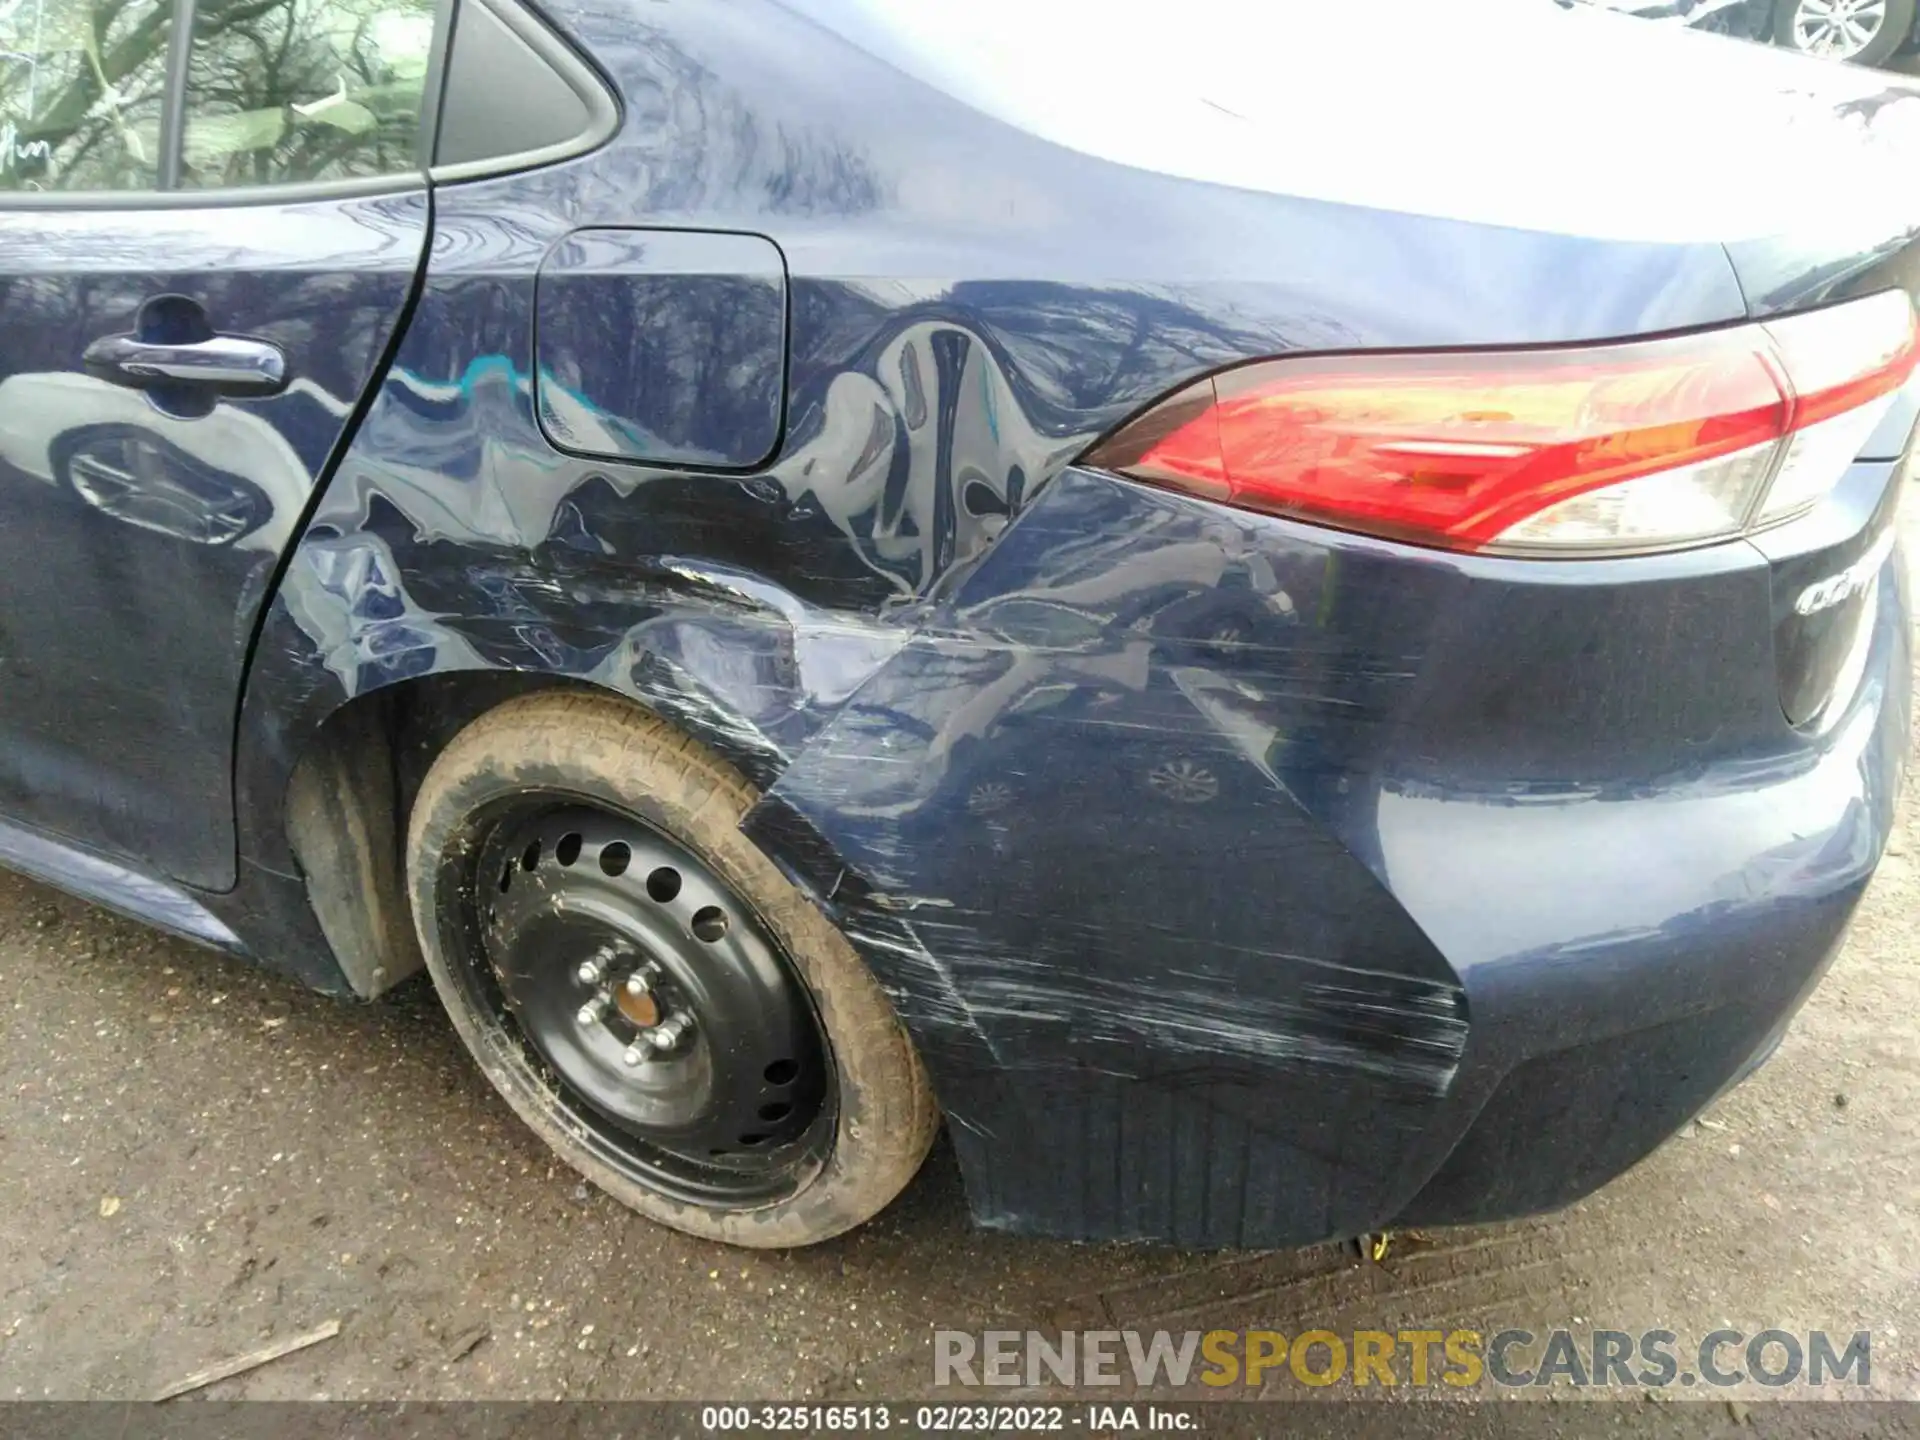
column 349, row 783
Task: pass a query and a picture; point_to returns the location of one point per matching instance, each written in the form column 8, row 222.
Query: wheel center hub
column 631, row 992
column 642, row 1011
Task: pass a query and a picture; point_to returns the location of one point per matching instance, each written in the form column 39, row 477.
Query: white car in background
column 1866, row 32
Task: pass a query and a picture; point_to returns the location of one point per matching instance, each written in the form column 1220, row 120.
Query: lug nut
column 594, row 968
column 670, row 1031
column 636, row 1053
column 638, row 983
column 594, row 1009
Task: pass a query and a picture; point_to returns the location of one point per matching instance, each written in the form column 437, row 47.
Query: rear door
column 212, row 213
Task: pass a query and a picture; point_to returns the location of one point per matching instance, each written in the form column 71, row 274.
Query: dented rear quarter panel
column 1120, row 795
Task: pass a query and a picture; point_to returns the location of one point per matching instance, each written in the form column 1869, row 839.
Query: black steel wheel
column 675, row 1030
column 646, row 989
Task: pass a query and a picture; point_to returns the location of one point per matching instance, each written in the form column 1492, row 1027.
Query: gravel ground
column 196, row 1159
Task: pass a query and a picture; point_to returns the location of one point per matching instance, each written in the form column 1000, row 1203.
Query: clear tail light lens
column 1604, row 449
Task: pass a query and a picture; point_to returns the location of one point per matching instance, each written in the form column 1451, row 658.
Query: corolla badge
column 1852, row 581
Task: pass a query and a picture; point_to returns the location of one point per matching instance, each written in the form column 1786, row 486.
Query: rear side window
column 119, row 97
column 292, row 91
column 82, row 85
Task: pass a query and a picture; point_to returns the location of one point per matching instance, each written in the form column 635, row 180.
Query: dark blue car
column 1293, row 648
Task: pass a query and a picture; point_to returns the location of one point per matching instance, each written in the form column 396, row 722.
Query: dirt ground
column 196, row 1159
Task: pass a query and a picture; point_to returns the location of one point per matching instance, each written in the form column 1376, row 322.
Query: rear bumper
column 1666, row 939
column 1246, row 884
column 1729, row 897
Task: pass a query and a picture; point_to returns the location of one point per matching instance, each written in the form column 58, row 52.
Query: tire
column 1895, row 30
column 572, row 754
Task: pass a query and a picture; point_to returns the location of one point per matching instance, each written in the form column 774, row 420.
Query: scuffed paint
column 1107, row 786
column 1315, row 1018
column 886, row 685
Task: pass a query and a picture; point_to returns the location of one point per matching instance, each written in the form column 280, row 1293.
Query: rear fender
column 1054, row 822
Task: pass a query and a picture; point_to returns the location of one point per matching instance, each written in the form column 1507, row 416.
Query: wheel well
column 348, row 800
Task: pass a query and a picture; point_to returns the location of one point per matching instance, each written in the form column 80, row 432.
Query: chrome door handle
column 224, row 364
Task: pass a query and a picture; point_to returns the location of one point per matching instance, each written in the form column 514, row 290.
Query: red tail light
column 1612, row 448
